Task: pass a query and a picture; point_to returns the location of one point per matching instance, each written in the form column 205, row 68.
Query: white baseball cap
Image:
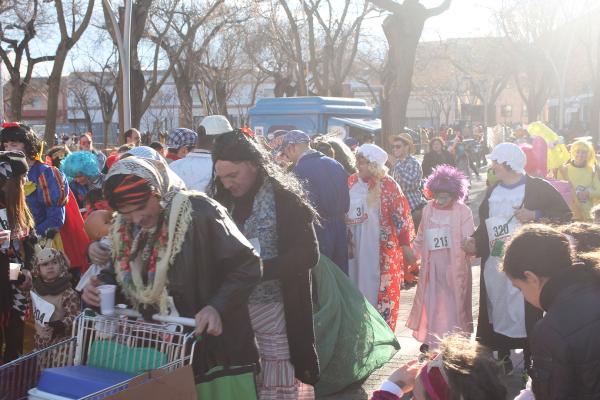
column 511, row 155
column 216, row 125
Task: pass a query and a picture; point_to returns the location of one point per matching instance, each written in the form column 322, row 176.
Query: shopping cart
column 121, row 343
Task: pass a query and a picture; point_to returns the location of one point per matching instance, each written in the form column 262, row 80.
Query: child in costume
column 55, row 303
column 443, row 299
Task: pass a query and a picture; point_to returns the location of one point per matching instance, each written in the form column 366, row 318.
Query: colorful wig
column 448, row 179
column 80, row 163
column 587, row 146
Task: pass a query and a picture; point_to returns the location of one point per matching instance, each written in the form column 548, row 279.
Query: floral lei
column 149, row 258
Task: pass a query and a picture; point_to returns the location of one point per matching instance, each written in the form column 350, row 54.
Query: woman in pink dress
column 443, row 300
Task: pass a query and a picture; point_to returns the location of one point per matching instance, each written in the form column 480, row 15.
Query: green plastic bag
column 352, row 338
column 227, row 383
column 115, row 356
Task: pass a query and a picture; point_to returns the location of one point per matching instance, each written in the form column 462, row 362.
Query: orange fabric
column 75, row 240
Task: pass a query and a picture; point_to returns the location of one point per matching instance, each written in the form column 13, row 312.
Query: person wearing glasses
column 408, row 173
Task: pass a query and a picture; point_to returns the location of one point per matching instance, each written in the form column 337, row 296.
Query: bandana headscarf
column 143, row 256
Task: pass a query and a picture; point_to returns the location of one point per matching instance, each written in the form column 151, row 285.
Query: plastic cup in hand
column 6, row 244
column 107, row 299
column 13, row 271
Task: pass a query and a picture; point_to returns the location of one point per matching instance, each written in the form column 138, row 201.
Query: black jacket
column 298, row 251
column 217, row 266
column 566, row 342
column 433, row 159
column 539, row 195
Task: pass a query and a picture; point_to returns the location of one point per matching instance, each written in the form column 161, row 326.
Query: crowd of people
column 244, row 232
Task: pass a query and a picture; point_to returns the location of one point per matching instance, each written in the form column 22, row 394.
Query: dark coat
column 217, row 266
column 298, row 251
column 565, row 345
column 433, row 159
column 326, row 182
column 539, row 195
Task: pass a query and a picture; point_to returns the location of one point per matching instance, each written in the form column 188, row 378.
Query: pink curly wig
column 448, row 179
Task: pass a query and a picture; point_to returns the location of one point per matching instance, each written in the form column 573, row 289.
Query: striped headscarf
column 142, row 176
column 143, row 256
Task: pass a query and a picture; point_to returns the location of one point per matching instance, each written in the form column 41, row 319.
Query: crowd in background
column 228, row 228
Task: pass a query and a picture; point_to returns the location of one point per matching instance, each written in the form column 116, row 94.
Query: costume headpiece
column 448, row 179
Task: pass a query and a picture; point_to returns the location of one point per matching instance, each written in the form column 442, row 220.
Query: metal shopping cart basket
column 113, row 343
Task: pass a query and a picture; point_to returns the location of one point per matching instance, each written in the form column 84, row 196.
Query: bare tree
column 18, row 28
column 140, row 11
column 69, row 14
column 486, row 67
column 101, row 76
column 80, row 91
column 531, row 32
column 403, row 29
column 187, row 44
column 220, row 73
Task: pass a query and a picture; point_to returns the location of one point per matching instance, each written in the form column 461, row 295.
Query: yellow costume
column 582, row 179
column 557, row 152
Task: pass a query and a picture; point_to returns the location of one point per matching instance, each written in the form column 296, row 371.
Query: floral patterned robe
column 396, row 229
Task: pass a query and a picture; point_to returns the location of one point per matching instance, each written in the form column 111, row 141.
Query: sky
column 465, row 18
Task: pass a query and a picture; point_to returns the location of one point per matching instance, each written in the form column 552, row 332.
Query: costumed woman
column 81, row 168
column 380, row 232
column 505, row 320
column 271, row 209
column 16, row 246
column 169, row 242
column 47, row 194
column 443, row 300
column 585, row 186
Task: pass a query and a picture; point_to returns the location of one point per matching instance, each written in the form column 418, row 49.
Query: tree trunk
column 137, row 82
column 54, row 93
column 398, row 71
column 16, row 101
column 184, row 93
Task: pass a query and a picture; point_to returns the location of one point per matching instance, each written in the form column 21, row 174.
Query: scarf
column 144, row 256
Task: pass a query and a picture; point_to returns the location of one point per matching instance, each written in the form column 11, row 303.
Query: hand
column 468, row 245
column 4, row 236
column 583, row 195
column 27, row 283
column 405, row 376
column 524, row 215
column 208, row 319
column 98, row 254
column 91, row 295
column 409, row 256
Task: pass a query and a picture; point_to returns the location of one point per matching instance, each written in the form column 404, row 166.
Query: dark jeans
column 11, row 337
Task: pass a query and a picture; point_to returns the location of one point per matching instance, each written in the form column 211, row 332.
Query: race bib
column 499, row 231
column 356, row 213
column 438, row 238
column 42, row 310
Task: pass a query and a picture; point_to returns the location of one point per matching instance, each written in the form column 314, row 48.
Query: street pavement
column 410, row 347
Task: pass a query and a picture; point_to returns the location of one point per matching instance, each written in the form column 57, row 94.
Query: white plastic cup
column 13, row 271
column 5, row 245
column 107, row 299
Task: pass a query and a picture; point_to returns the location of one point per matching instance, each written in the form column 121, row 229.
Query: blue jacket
column 48, row 198
column 326, row 182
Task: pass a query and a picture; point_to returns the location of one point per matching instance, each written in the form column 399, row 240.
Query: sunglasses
column 398, row 146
